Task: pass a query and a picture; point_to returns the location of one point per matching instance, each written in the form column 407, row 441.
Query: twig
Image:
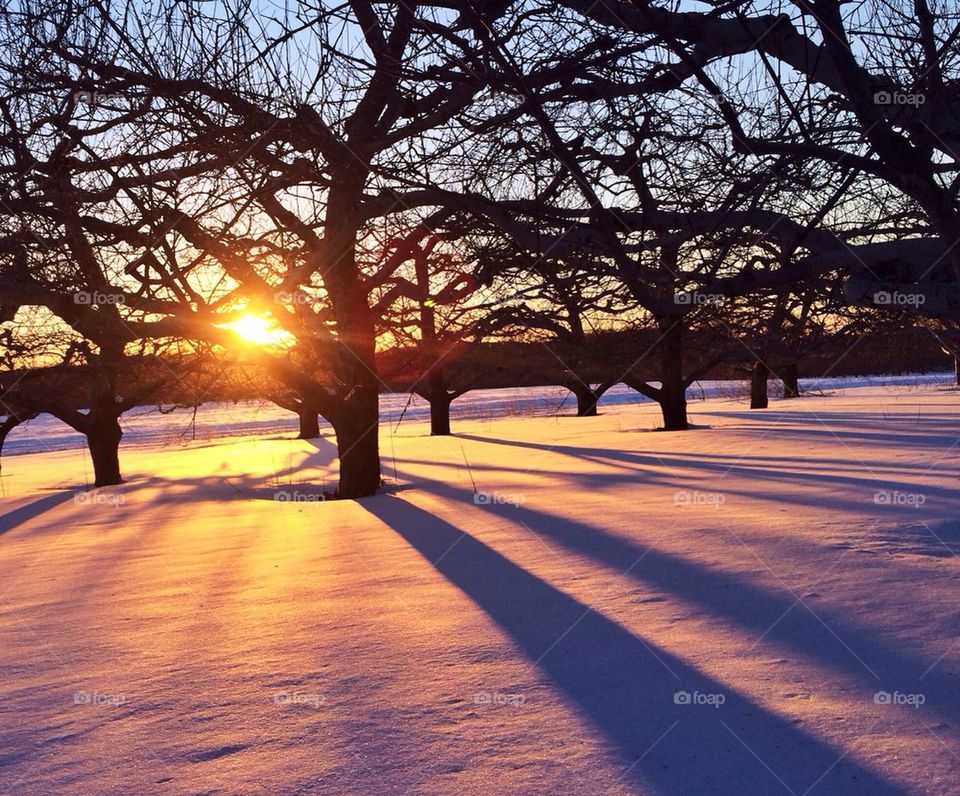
column 469, row 471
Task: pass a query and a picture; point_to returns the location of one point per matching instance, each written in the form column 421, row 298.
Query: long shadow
column 824, row 464
column 185, row 491
column 627, row 686
column 755, row 473
column 936, row 430
column 18, row 516
column 936, row 441
column 324, row 455
column 850, row 418
column 818, row 632
column 217, row 485
column 634, row 476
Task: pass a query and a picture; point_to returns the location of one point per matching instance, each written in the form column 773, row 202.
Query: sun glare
column 259, row 330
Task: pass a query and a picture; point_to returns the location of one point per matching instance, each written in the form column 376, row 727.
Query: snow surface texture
column 766, row 606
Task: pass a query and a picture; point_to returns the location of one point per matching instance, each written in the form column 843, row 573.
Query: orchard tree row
column 342, row 179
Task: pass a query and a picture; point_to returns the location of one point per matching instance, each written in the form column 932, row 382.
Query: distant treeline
column 507, row 364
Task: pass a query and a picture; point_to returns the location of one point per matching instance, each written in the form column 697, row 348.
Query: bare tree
column 432, row 310
column 574, row 309
column 641, row 184
column 251, row 153
column 870, row 88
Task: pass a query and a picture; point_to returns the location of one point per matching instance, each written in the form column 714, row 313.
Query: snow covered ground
column 146, row 425
column 538, row 605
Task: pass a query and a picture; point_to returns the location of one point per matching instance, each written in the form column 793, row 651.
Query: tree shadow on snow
column 29, row 511
column 933, row 430
column 817, row 631
column 223, row 485
column 627, row 686
column 759, row 470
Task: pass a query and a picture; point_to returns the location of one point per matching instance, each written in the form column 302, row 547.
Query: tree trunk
column 673, row 390
column 758, row 386
column 309, row 421
column 440, row 399
column 587, row 404
column 357, row 416
column 791, row 381
column 587, row 399
column 14, row 419
column 673, row 406
column 103, row 440
column 6, row 427
column 440, row 415
column 356, row 427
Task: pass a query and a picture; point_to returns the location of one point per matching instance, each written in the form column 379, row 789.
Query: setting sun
column 259, row 330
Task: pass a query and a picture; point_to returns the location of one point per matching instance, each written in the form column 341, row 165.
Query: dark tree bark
column 100, row 424
column 791, row 381
column 586, row 402
column 671, row 395
column 673, row 390
column 358, row 411
column 356, row 427
column 440, row 414
column 307, row 409
column 587, row 398
column 758, row 386
column 308, row 414
column 103, row 439
column 440, row 399
column 673, row 406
